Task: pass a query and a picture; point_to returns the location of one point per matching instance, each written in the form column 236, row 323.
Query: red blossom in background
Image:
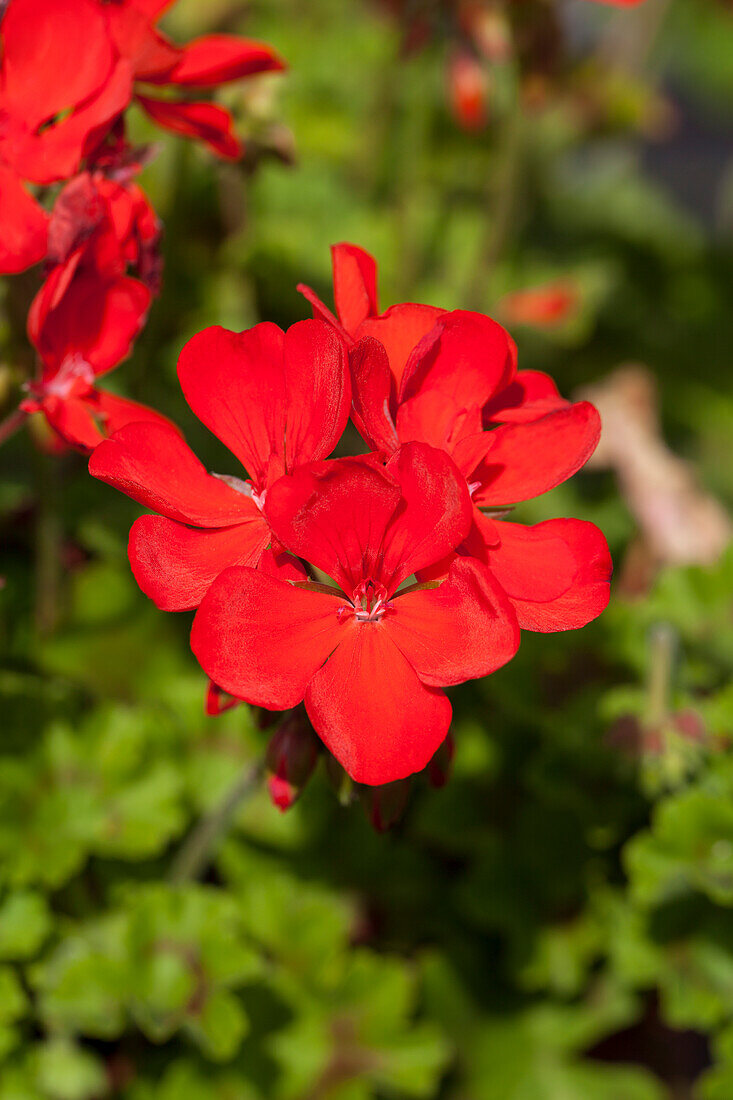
column 276, row 400
column 424, row 374
column 367, row 658
column 62, row 84
column 204, row 63
column 89, row 310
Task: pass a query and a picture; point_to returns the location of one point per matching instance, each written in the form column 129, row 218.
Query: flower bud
column 385, row 805
column 290, row 759
column 439, row 768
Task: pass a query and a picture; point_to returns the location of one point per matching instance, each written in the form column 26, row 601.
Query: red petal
column 529, row 396
column 153, row 9
column 371, row 710
column 151, row 55
column 74, row 421
column 371, row 383
column 206, row 122
column 263, row 639
column 23, row 226
column 467, row 357
column 316, row 394
column 218, row 58
column 433, row 517
column 434, row 419
column 354, row 284
column 525, row 460
column 94, row 321
column 321, row 312
column 557, row 574
column 334, row 514
column 56, row 152
column 117, row 412
column 152, row 464
column 462, row 630
column 176, row 565
column 56, row 54
column 275, row 400
column 400, row 329
column 278, row 563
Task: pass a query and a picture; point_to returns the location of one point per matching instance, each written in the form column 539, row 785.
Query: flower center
column 370, row 602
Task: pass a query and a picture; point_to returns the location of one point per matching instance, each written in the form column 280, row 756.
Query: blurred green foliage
column 557, row 922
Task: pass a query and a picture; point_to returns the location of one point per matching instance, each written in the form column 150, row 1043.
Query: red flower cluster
column 69, row 69
column 362, row 585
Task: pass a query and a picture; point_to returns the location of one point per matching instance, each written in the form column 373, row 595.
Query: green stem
column 195, row 854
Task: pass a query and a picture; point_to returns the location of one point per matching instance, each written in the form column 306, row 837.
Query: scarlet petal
column 276, row 400
column 218, row 58
column 371, row 383
column 74, row 421
column 432, row 418
column 317, row 392
column 434, row 514
column 468, row 360
column 116, row 412
column 56, row 53
column 55, row 153
column 529, row 396
column 371, row 710
column 176, row 565
column 23, row 226
column 400, row 329
column 152, row 464
column 84, row 422
column 464, row 629
column 93, row 321
column 556, row 574
column 263, row 639
column 234, row 383
column 354, row 284
column 525, row 460
column 334, row 514
column 206, row 122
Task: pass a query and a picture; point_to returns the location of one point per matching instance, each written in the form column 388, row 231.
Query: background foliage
column 557, row 922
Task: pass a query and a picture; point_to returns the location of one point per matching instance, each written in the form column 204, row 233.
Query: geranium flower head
column 276, row 400
column 452, row 381
column 90, row 309
column 367, row 657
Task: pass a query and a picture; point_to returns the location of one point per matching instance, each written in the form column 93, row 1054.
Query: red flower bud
column 439, row 768
column 468, row 91
column 385, row 805
column 290, row 759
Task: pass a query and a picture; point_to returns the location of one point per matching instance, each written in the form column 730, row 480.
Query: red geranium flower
column 61, row 85
column 419, row 373
column 88, row 312
column 204, row 63
column 367, row 658
column 276, row 400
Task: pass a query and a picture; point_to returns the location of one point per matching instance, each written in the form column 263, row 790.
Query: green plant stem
column 11, row 424
column 195, row 854
column 47, row 546
column 661, row 662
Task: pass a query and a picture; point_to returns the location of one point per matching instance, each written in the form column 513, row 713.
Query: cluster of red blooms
column 361, row 586
column 69, row 70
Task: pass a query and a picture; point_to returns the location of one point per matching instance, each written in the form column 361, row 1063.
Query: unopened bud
column 439, row 768
column 385, row 805
column 339, row 779
column 290, row 759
